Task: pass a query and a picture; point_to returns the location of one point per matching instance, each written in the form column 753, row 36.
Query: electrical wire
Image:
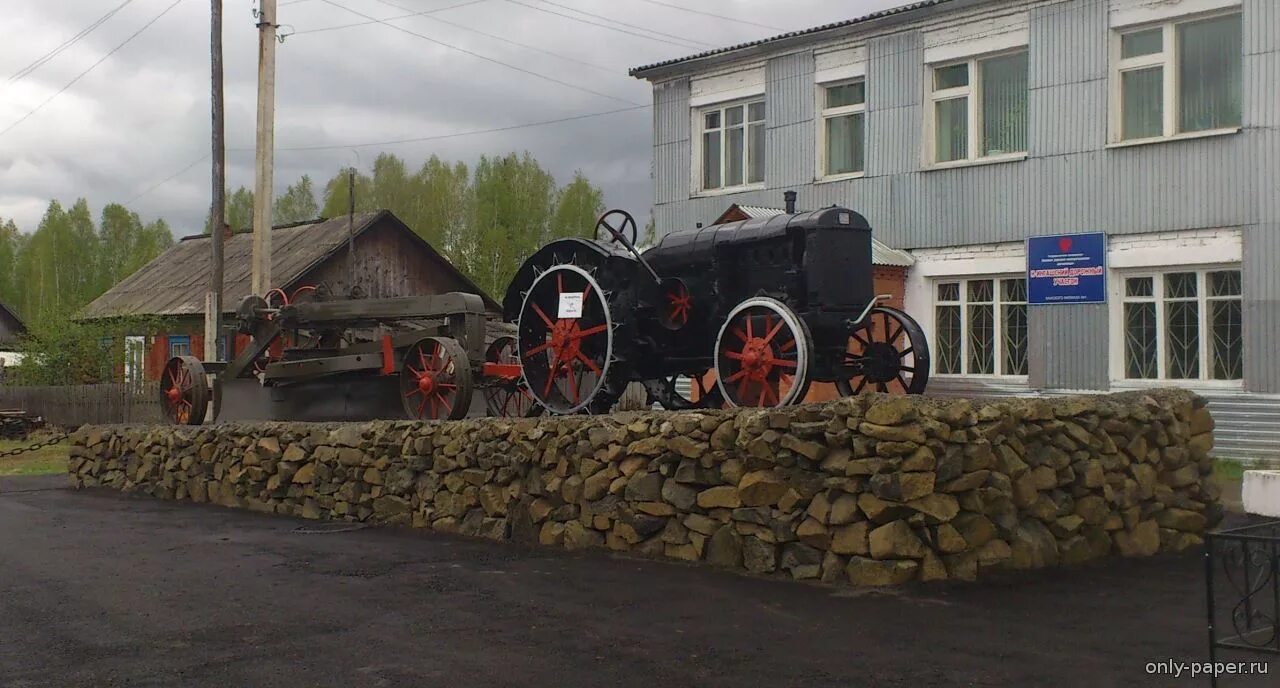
column 403, row 16
column 473, row 132
column 612, row 71
column 712, row 14
column 71, row 83
column 486, row 58
column 437, row 137
column 40, row 61
column 170, row 178
column 622, row 23
column 580, row 20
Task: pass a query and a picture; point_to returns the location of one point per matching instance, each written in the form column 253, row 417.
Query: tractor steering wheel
column 618, row 233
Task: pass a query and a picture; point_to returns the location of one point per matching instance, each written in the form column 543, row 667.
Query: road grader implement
column 749, row 313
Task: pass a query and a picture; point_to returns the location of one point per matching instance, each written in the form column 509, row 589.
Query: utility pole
column 263, row 190
column 217, row 222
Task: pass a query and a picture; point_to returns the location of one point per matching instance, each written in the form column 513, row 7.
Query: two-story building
column 960, row 128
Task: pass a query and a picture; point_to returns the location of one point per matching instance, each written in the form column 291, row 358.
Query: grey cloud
column 143, row 114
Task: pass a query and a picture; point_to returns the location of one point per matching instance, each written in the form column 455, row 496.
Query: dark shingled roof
column 175, row 283
column 921, row 4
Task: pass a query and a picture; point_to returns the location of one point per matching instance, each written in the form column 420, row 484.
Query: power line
column 580, row 20
column 474, row 132
column 40, row 61
column 168, row 179
column 69, row 84
column 438, row 137
column 610, row 70
column 712, row 14
column 622, row 23
column 483, row 57
column 375, row 21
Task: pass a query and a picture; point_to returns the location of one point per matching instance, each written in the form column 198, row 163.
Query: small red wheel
column 508, row 398
column 762, row 355
column 677, row 304
column 184, row 392
column 435, row 380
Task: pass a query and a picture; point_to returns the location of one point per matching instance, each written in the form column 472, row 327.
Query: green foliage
column 58, row 351
column 69, row 260
column 11, row 242
column 486, row 220
column 297, row 204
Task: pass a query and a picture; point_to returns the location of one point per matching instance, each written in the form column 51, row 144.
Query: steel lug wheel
column 435, row 380
column 886, row 353
column 565, row 338
column 762, row 355
column 184, row 391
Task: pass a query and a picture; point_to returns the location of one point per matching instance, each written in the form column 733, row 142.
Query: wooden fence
column 73, row 406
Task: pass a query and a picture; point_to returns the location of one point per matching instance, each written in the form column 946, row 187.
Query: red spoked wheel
column 566, row 340
column 886, row 353
column 435, row 380
column 677, row 304
column 508, row 398
column 762, row 355
column 184, row 391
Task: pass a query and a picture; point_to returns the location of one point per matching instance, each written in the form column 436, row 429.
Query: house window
column 981, row 326
column 843, row 128
column 1183, row 325
column 733, row 145
column 979, row 108
column 1177, row 78
column 179, row 345
column 135, row 351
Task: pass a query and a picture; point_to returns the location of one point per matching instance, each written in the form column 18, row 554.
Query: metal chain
column 38, row 445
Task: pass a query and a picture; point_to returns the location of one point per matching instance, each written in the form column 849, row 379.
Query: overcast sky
column 142, row 115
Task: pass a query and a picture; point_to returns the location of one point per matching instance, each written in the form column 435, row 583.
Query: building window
column 981, row 326
column 1183, row 325
column 179, row 345
column 733, row 145
column 135, row 351
column 843, row 129
column 1177, row 78
column 979, row 108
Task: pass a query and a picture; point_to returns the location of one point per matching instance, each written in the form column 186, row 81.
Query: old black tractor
column 749, row 312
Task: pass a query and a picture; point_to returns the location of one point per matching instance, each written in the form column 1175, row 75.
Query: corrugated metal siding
column 1066, row 45
column 671, row 112
column 893, row 105
column 671, row 147
column 1261, row 19
column 1247, row 425
column 1261, row 307
column 1068, row 354
column 789, row 117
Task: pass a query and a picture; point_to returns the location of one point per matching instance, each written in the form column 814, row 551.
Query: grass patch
column 1228, row 470
column 43, row 461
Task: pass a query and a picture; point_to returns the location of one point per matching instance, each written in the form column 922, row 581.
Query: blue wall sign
column 1067, row 268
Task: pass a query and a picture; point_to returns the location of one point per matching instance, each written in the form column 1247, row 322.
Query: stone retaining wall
column 870, row 490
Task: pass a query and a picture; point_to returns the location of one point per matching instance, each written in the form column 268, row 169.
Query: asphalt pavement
column 103, row 589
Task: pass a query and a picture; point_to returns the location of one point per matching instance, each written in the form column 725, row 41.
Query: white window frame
column 1167, row 60
column 973, row 92
column 699, row 128
column 825, row 113
column 998, row 323
column 1118, row 299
